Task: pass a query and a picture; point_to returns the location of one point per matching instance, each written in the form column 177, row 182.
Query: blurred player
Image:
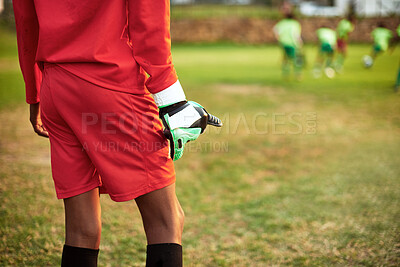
column 344, row 28
column 327, row 41
column 288, row 34
column 381, row 36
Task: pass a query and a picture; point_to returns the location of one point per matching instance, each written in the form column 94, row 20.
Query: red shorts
column 341, row 45
column 102, row 138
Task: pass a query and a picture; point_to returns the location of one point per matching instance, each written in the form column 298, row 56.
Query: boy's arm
column 318, row 33
column 351, row 27
column 276, row 31
column 149, row 31
column 373, row 35
column 298, row 37
column 27, row 27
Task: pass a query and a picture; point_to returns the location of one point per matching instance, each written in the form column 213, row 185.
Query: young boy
column 327, row 40
column 381, row 36
column 288, row 34
column 84, row 64
column 344, row 28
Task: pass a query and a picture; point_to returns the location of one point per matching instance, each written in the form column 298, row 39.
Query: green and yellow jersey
column 344, row 28
column 381, row 38
column 288, row 32
column 327, row 36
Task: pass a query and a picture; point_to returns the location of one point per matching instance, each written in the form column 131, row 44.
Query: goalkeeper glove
column 185, row 121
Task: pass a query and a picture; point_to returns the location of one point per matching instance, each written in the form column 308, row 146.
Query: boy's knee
column 92, row 231
column 181, row 217
column 171, row 221
column 86, row 231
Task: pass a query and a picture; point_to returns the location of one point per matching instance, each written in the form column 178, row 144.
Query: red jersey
column 112, row 44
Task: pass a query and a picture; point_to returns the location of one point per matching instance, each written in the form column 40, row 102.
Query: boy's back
column 326, row 36
column 382, row 37
column 344, row 28
column 288, row 32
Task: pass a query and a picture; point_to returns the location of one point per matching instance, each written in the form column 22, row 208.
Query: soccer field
column 302, row 173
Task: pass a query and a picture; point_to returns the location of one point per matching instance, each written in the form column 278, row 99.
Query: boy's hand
column 185, row 121
column 36, row 120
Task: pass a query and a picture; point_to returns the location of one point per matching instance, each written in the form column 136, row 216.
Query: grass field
column 302, row 174
column 223, row 11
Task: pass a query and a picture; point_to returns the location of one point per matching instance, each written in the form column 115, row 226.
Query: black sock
column 164, row 255
column 79, row 257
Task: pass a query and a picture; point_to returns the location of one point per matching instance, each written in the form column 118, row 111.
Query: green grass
column 223, row 11
column 11, row 83
column 275, row 186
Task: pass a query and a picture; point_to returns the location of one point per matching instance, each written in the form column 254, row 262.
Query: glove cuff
column 170, row 95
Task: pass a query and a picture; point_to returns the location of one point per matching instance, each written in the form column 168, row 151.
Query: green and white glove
column 183, row 120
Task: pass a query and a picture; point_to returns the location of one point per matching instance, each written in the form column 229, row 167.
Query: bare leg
column 340, row 58
column 320, row 60
column 162, row 216
column 83, row 220
column 285, row 67
column 317, row 69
